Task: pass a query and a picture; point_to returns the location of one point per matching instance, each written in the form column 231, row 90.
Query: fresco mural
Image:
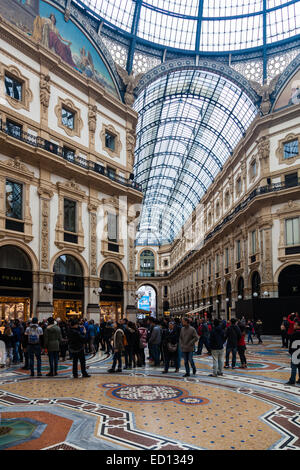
column 290, row 94
column 46, row 25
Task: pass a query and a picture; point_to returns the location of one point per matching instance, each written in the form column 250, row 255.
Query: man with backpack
column 34, row 334
column 203, row 333
column 233, row 335
column 77, row 342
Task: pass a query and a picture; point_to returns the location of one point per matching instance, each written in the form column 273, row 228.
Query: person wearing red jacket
column 242, row 347
column 291, row 322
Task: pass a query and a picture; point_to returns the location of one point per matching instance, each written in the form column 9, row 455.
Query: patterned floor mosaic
column 249, row 408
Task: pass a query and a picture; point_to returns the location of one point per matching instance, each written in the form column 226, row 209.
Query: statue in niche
column 130, row 81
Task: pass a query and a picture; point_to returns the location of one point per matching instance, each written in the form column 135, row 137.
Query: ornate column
column 93, row 284
column 44, row 279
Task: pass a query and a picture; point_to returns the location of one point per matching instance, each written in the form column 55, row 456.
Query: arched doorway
column 289, row 281
column 111, row 298
column 68, row 288
column 147, row 301
column 15, row 283
column 255, row 284
column 147, row 263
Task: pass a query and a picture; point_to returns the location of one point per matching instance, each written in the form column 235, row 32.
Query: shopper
column 9, row 340
column 118, row 347
column 154, row 342
column 34, row 335
column 77, row 342
column 143, row 343
column 216, row 345
column 233, row 335
column 170, row 346
column 258, row 328
column 52, row 339
column 203, row 333
column 187, row 340
column 241, row 347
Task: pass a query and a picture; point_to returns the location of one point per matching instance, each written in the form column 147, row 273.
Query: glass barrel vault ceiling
column 189, row 123
column 202, row 25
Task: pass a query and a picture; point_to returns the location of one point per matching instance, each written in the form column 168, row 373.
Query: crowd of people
column 168, row 342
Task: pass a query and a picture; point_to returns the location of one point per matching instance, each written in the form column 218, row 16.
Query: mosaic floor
column 143, row 409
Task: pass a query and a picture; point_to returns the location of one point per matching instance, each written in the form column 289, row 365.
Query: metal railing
column 142, row 274
column 63, row 152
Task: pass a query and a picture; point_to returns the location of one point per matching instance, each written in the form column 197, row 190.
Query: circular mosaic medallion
column 194, row 401
column 147, row 392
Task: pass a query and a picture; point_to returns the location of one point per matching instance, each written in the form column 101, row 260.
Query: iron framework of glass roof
column 189, row 123
column 200, row 26
column 191, row 120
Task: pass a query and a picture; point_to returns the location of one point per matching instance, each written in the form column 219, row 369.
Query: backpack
column 33, row 336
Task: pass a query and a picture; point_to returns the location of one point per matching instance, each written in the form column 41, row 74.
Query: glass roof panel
column 187, row 140
column 211, row 25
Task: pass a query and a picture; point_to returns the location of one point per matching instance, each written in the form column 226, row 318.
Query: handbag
column 172, row 348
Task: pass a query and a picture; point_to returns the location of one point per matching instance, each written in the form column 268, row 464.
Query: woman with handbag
column 171, row 341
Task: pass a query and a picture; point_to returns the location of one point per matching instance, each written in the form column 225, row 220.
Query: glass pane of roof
column 187, row 140
column 222, row 25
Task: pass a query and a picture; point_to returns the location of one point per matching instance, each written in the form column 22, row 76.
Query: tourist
column 187, row 340
column 17, row 330
column 170, row 346
column 77, row 340
column 143, row 343
column 24, row 342
column 284, row 329
column 52, row 339
column 107, row 336
column 34, row 335
column 118, row 347
column 91, row 336
column 232, row 334
column 155, row 341
column 294, row 350
column 241, row 347
column 135, row 338
column 9, row 340
column 291, row 321
column 258, row 328
column 250, row 331
column 63, row 346
column 216, row 345
column 203, row 333
column 129, row 344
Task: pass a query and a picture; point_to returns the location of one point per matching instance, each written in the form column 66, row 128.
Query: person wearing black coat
column 170, row 341
column 216, row 344
column 233, row 335
column 76, row 342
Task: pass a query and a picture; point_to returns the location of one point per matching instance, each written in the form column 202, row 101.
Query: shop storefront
column 68, row 288
column 15, row 284
column 111, row 300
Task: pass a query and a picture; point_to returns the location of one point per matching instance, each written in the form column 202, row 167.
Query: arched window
column 111, row 272
column 12, row 257
column 289, row 281
column 68, row 266
column 255, row 283
column 147, row 262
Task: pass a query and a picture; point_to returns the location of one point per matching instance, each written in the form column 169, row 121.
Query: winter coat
column 233, row 335
column 155, row 337
column 217, row 338
column 143, row 336
column 52, row 338
column 188, row 338
column 119, row 340
column 76, row 340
